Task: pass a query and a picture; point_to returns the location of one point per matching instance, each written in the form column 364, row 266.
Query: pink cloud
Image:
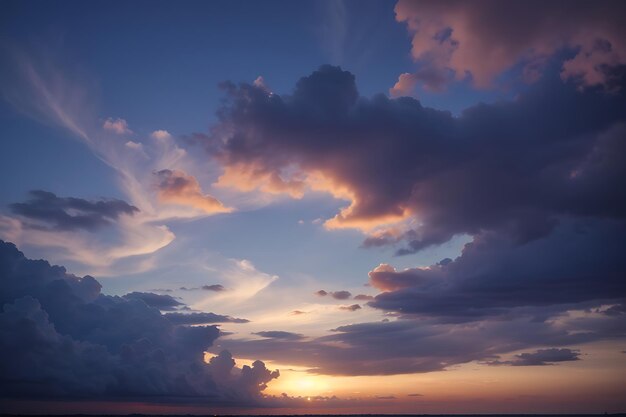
column 482, row 39
column 117, row 126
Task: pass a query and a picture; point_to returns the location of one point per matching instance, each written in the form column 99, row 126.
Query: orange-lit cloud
column 178, row 187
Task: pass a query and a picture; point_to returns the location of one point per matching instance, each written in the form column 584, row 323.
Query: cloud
column 363, row 297
column 298, row 312
column 353, row 307
column 201, row 318
column 161, row 135
column 68, row 213
column 341, row 295
column 541, row 357
column 61, row 338
column 163, row 302
column 513, row 167
column 455, row 40
column 41, row 86
column 417, row 345
column 579, row 262
column 177, row 187
column 117, row 126
column 243, row 281
column 277, row 334
column 337, row 295
column 214, row 287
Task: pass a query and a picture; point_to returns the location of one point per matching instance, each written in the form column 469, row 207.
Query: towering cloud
column 418, row 175
column 62, row 338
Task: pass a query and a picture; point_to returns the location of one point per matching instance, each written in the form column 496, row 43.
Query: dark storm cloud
column 161, row 301
column 541, row 357
column 61, row 338
column 514, row 167
column 202, row 318
column 69, row 213
column 277, row 334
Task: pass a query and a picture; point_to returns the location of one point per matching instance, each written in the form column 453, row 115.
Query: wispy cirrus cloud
column 153, row 174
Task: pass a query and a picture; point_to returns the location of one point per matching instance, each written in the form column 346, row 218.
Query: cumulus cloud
column 541, row 357
column 68, row 213
column 514, row 167
column 482, row 40
column 117, row 126
column 178, row 187
column 62, row 338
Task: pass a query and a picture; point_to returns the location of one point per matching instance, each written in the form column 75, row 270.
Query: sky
column 278, row 207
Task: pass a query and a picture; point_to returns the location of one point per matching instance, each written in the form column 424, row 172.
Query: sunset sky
column 280, row 207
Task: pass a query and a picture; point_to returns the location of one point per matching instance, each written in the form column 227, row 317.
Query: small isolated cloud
column 298, row 312
column 353, row 307
column 202, row 318
column 337, row 295
column 363, row 297
column 385, row 397
column 340, row 295
column 277, row 334
column 214, row 287
column 117, row 126
column 415, row 395
column 70, row 213
column 541, row 357
column 177, row 187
